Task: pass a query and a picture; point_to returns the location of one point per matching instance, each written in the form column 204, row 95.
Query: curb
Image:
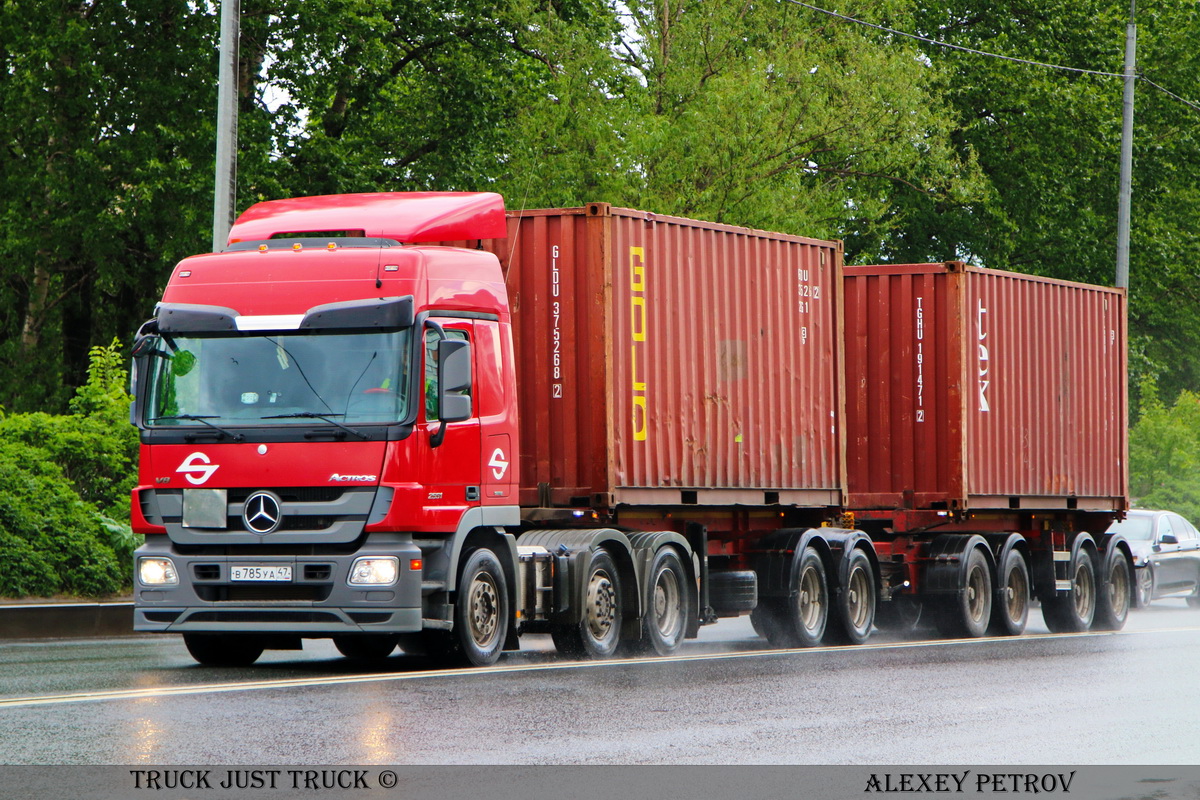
column 65, row 620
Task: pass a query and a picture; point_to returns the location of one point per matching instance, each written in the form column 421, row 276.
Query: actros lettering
column 637, row 314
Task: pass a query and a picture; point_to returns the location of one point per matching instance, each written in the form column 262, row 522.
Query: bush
column 64, row 491
column 51, row 541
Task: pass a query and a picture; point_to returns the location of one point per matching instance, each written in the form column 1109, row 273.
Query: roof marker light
column 297, row 247
column 391, row 268
column 331, row 246
column 262, row 248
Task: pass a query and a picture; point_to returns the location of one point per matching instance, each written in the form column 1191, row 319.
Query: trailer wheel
column 1010, row 607
column 665, row 621
column 481, row 613
column 599, row 631
column 1116, row 589
column 223, row 649
column 1073, row 612
column 855, row 602
column 366, row 646
column 967, row 614
column 801, row 619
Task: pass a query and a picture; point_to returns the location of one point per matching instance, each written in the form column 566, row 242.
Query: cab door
column 452, row 468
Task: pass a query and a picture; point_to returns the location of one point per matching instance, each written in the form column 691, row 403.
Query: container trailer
column 414, row 420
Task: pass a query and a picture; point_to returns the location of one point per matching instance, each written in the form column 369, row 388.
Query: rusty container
column 972, row 388
column 664, row 361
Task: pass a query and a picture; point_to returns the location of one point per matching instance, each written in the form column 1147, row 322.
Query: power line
column 972, row 51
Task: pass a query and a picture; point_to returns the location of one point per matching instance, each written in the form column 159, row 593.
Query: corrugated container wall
column 975, row 388
column 663, row 360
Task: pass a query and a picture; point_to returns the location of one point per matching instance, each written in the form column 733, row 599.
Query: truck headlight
column 157, row 572
column 376, row 571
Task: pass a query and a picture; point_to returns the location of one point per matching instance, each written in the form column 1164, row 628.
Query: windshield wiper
column 322, row 417
column 237, row 437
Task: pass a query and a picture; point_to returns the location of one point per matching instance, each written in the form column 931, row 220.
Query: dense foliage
column 765, row 114
column 64, row 491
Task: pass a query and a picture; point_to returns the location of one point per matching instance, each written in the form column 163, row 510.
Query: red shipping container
column 665, row 361
column 972, row 388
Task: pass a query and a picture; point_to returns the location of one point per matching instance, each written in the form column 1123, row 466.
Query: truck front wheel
column 222, row 649
column 481, row 612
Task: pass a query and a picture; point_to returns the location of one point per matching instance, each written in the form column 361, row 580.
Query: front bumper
column 317, row 602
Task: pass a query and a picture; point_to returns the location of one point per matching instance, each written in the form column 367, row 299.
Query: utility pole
column 1126, row 152
column 225, row 186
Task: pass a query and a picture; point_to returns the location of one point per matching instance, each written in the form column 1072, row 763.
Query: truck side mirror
column 454, row 380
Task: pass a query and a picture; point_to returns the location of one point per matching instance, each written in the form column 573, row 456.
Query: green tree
column 1048, row 143
column 1164, row 452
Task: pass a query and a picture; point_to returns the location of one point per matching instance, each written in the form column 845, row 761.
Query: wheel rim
column 1016, row 598
column 858, row 605
column 668, row 612
column 484, row 620
column 1145, row 585
column 977, row 593
column 1084, row 590
column 602, row 604
column 1118, row 588
column 810, row 606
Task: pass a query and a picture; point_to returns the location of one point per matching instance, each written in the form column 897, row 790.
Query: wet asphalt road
column 1126, row 698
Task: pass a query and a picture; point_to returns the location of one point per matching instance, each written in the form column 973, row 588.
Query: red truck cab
column 326, row 417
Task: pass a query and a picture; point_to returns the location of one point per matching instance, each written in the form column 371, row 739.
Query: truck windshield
column 278, row 379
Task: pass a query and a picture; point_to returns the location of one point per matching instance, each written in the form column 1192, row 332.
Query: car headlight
column 375, row 571
column 157, row 572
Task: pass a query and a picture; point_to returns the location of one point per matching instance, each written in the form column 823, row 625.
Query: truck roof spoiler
column 404, row 216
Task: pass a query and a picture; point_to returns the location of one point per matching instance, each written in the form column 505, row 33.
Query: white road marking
column 290, row 683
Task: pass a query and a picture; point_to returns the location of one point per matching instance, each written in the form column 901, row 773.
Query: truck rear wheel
column 668, row 603
column 855, row 602
column 223, row 649
column 1116, row 590
column 968, row 612
column 481, row 614
column 1073, row 611
column 1010, row 607
column 598, row 633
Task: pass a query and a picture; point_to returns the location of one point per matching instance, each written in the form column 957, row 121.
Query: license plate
column 265, row 574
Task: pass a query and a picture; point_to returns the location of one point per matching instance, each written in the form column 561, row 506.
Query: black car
column 1166, row 555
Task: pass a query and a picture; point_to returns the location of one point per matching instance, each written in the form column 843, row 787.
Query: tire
column 855, row 605
column 968, row 613
column 1010, row 604
column 598, row 633
column 366, row 646
column 1113, row 597
column 1144, row 577
column 223, row 649
column 1074, row 611
column 800, row 619
column 668, row 605
column 732, row 593
column 769, row 621
column 481, row 612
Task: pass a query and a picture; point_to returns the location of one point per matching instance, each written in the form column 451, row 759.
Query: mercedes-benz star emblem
column 261, row 513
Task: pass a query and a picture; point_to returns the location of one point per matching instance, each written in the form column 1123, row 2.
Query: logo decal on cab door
column 499, row 464
column 197, row 468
